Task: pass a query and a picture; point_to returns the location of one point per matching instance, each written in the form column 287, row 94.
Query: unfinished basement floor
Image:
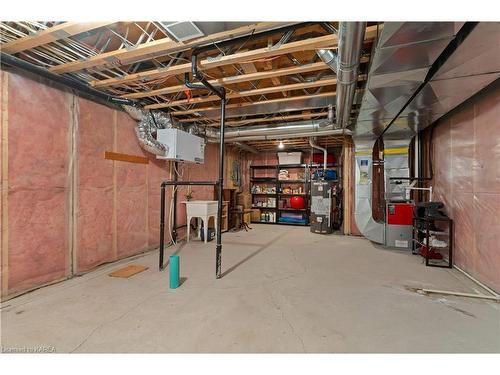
column 284, row 290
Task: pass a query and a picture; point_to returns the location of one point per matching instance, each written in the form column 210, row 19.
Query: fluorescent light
column 281, row 146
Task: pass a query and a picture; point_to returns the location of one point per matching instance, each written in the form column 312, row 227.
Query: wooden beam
column 263, row 91
column 244, row 105
column 271, row 119
column 157, row 48
column 248, row 56
column 125, row 157
column 52, row 34
column 248, row 67
column 233, row 80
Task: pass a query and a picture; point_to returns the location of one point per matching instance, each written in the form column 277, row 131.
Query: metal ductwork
column 345, row 63
column 419, row 72
column 402, row 57
column 148, row 123
column 310, row 128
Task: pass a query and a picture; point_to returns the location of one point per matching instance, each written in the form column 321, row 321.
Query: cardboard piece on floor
column 128, row 271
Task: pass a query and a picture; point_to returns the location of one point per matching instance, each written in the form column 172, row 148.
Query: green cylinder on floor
column 174, row 271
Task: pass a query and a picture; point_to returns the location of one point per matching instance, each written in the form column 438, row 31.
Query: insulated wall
column 65, row 208
column 466, row 148
column 35, row 183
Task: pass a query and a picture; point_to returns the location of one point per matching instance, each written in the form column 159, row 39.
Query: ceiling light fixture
column 281, row 146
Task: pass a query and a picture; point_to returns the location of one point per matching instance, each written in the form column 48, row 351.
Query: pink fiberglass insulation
column 158, row 171
column 94, row 227
column 116, row 203
column 131, row 191
column 467, row 180
column 38, row 128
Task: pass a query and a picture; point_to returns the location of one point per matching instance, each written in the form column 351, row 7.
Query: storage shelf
column 264, row 208
column 263, row 166
column 271, row 194
column 263, row 179
column 291, row 195
column 294, row 181
column 299, row 224
column 433, row 232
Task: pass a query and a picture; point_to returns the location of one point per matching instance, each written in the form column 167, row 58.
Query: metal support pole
column 162, row 226
column 218, row 247
column 221, row 93
column 174, row 208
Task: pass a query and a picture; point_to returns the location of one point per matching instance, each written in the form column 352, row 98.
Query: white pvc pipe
column 477, row 282
column 325, row 158
column 459, row 294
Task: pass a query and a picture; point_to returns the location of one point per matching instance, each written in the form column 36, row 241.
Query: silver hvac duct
column 270, row 129
column 318, row 133
column 345, row 63
column 402, row 57
column 148, row 123
column 297, row 129
column 371, row 229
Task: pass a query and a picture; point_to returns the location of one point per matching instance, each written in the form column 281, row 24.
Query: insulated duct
column 402, row 57
column 298, row 129
column 345, row 63
column 148, row 123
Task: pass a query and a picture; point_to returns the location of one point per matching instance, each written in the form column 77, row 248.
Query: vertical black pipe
column 218, row 247
column 420, row 164
column 174, row 208
column 162, row 226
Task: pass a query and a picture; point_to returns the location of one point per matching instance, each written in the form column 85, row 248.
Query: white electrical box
column 182, row 146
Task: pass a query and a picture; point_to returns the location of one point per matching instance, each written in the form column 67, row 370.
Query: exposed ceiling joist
column 262, row 102
column 234, row 79
column 263, row 91
column 268, row 119
column 325, row 41
column 161, row 47
column 52, row 34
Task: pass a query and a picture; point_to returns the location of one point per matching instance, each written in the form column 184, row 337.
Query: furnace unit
column 399, row 225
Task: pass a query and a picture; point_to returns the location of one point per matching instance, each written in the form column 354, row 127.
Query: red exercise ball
column 297, row 202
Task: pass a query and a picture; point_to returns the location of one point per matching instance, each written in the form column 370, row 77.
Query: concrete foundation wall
column 466, row 150
column 66, row 209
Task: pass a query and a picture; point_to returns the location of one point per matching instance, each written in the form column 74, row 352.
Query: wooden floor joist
column 244, row 105
column 326, row 41
column 52, row 34
column 157, row 48
column 234, row 79
column 241, row 94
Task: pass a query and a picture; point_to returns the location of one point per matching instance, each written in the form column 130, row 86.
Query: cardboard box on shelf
column 255, row 215
column 245, row 199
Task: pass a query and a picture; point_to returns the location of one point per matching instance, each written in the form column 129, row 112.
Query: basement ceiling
column 269, row 79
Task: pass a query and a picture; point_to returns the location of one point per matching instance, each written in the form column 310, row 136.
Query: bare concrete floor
column 284, row 290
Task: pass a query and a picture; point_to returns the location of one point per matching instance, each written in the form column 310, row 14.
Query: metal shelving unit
column 423, row 244
column 275, row 182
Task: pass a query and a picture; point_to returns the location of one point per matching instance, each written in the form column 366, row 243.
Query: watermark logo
column 29, row 349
